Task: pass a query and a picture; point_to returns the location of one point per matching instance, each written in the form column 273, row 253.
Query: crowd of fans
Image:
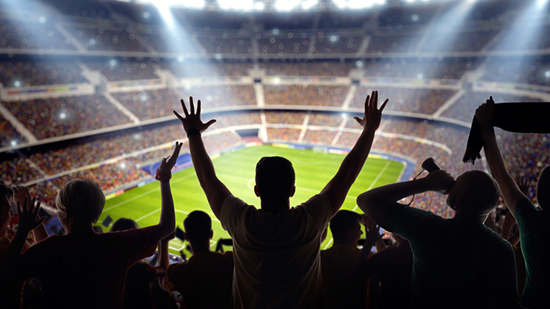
column 445, row 69
column 296, row 118
column 117, row 70
column 517, row 71
column 32, row 34
column 310, row 95
column 312, row 68
column 318, row 137
column 26, row 73
column 149, row 104
column 410, row 100
column 337, row 44
column 97, row 38
column 207, row 69
column 9, row 134
column 226, row 45
column 222, row 95
column 464, row 107
column 466, row 41
column 60, row 116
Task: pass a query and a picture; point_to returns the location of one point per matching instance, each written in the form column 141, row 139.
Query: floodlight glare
column 357, row 4
column 13, row 143
column 242, row 5
column 285, row 5
column 17, row 83
column 62, row 115
column 308, row 4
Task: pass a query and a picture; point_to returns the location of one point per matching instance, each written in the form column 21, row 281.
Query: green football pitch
column 236, row 170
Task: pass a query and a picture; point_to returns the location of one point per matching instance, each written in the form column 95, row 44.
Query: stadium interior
column 87, row 88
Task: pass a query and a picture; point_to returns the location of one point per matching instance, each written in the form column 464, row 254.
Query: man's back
column 458, row 262
column 204, row 281
column 277, row 258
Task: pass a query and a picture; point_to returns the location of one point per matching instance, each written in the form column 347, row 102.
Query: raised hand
column 524, row 184
column 166, row 164
column 28, row 214
column 373, row 115
column 485, row 113
column 192, row 119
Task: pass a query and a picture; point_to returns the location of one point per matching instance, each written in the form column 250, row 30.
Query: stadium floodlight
column 13, row 143
column 357, row 4
column 289, row 5
column 241, row 5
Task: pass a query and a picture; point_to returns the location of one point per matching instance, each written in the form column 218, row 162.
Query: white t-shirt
column 277, row 258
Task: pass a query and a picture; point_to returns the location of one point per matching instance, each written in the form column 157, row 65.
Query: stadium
column 88, row 88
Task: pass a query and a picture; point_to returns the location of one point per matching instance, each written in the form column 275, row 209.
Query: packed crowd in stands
column 282, row 45
column 26, row 73
column 445, row 69
column 117, row 70
column 325, row 120
column 235, row 119
column 409, row 100
column 18, row 171
column 122, row 39
column 393, row 43
column 53, row 117
column 464, row 107
column 167, row 41
column 317, row 137
column 276, row 134
column 226, row 45
column 149, row 104
column 9, row 134
column 534, row 72
column 207, row 69
column 337, row 44
column 466, row 41
column 311, row 68
column 309, row 95
column 510, row 41
column 277, row 117
column 222, row 95
column 32, row 34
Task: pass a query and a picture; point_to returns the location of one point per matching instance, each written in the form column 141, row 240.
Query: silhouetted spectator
column 394, row 267
column 137, row 290
column 457, row 262
column 83, row 269
column 344, row 280
column 205, row 280
column 277, row 248
column 533, row 222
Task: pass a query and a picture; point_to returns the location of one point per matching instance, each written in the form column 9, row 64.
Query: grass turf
column 236, row 171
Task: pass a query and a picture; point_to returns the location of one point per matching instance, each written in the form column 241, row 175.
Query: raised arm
column 215, row 190
column 167, row 222
column 20, row 194
column 508, row 187
column 28, row 221
column 375, row 202
column 338, row 187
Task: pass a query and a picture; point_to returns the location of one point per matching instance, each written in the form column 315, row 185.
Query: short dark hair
column 343, row 221
column 543, row 188
column 124, row 224
column 197, row 226
column 275, row 179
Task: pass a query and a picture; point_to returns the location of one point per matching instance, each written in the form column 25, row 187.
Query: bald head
column 475, row 193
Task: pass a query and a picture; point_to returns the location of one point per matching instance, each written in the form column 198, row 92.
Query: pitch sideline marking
column 144, row 193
